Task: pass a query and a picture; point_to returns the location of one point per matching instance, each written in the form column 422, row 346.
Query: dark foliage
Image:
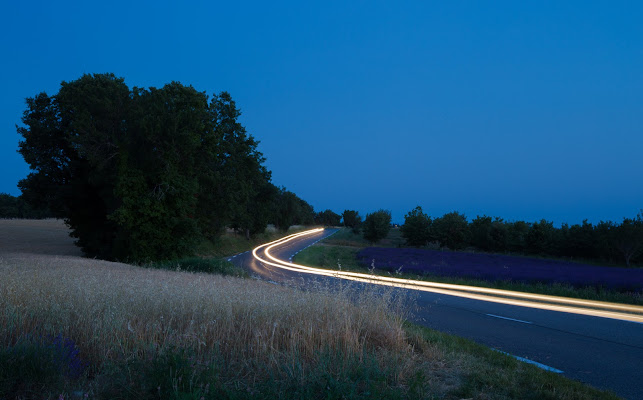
column 17, row 207
column 451, row 230
column 288, row 210
column 628, row 238
column 417, row 227
column 352, row 219
column 142, row 174
column 605, row 241
column 377, row 225
column 328, row 218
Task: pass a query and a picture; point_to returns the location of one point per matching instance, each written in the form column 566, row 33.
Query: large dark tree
column 72, row 143
column 452, row 230
column 141, row 174
column 377, row 225
column 416, row 228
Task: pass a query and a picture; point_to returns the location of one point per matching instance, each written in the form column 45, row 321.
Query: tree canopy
column 352, row 219
column 377, row 225
column 451, row 230
column 328, row 218
column 142, row 174
column 416, row 228
column 288, row 210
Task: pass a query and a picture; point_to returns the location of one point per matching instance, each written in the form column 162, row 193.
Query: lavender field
column 494, row 267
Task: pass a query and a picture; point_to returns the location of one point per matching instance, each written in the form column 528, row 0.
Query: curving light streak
column 544, row 302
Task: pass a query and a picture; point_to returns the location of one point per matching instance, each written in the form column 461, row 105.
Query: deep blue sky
column 524, row 110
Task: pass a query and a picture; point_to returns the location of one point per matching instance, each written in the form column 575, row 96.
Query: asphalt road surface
column 605, row 353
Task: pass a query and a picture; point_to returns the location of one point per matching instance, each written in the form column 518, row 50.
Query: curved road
column 604, row 353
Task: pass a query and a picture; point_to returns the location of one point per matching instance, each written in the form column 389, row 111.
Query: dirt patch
column 46, row 236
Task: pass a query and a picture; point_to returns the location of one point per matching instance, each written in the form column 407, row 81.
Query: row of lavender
column 494, row 267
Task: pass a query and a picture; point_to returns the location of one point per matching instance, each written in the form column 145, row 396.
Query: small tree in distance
column 352, row 220
column 628, row 238
column 377, row 225
column 416, row 227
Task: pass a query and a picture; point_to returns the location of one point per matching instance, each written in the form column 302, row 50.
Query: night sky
column 523, row 110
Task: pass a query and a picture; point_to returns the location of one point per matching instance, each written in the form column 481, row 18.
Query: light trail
column 531, row 300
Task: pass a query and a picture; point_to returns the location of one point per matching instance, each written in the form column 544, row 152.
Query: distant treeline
column 605, row 241
column 16, row 207
column 148, row 174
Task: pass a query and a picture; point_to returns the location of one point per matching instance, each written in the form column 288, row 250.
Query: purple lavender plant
column 495, row 267
column 66, row 356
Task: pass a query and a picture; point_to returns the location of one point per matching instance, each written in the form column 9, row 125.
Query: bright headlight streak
column 458, row 290
column 548, row 298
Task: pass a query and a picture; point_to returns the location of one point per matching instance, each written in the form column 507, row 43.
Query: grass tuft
column 207, row 265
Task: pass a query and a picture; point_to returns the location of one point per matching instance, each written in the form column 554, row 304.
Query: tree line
column 605, row 241
column 146, row 174
column 16, row 207
column 374, row 227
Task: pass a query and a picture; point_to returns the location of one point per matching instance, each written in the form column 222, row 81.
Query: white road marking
column 509, row 319
column 528, row 361
column 237, row 255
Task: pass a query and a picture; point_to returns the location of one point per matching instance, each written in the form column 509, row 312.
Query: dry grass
column 116, row 312
column 112, row 308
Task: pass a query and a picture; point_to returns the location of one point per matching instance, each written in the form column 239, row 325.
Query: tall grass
column 80, row 328
column 260, row 332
